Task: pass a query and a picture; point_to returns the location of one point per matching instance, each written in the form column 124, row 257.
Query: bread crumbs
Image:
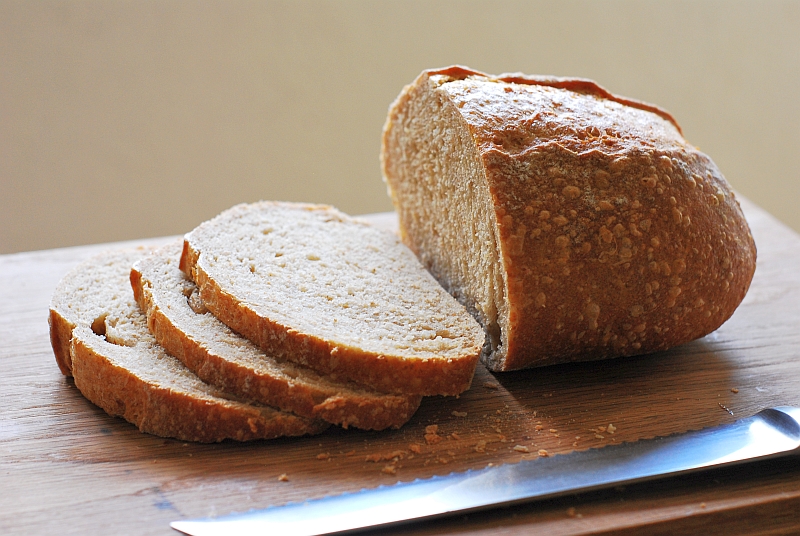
column 283, row 478
column 385, row 457
column 323, row 456
column 458, row 413
column 543, row 453
column 416, row 448
column 611, row 429
column 521, row 448
column 491, row 385
column 389, row 470
column 538, row 427
column 432, row 439
column 734, row 390
column 480, row 446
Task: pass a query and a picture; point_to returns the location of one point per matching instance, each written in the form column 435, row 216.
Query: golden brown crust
column 578, row 85
column 660, row 270
column 616, row 237
column 60, row 337
column 288, row 387
column 168, row 412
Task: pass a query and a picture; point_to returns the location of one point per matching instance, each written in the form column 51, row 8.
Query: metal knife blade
column 770, row 433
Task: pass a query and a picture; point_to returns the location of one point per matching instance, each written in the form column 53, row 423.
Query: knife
column 770, row 433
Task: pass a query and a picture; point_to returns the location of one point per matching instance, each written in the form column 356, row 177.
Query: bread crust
column 60, row 338
column 269, row 381
column 614, row 235
column 383, row 372
column 168, row 412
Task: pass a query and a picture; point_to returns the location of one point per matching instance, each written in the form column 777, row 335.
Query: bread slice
column 573, row 223
column 181, row 324
column 310, row 284
column 118, row 365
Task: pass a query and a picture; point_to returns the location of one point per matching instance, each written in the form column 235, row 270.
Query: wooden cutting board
column 67, row 467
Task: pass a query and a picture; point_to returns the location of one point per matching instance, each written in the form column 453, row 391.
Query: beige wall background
column 132, row 119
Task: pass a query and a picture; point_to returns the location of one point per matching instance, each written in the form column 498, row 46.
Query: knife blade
column 767, row 434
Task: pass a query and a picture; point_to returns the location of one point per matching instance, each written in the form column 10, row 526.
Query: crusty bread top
column 606, row 233
column 181, row 324
column 516, row 114
column 572, row 84
column 118, row 365
column 315, row 286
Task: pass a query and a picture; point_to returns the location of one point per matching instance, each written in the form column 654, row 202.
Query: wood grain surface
column 68, row 468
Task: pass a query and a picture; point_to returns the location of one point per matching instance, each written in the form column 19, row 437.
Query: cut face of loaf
column 572, row 223
column 118, row 365
column 309, row 284
column 177, row 317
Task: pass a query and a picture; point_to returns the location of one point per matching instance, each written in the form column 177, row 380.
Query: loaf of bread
column 572, row 223
column 180, row 322
column 310, row 284
column 100, row 337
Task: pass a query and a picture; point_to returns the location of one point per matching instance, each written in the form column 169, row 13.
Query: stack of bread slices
column 272, row 319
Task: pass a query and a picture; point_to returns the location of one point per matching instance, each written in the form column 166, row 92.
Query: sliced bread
column 100, row 337
column 180, row 322
column 310, row 284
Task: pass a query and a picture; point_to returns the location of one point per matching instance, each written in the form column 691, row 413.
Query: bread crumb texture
column 596, row 228
column 312, row 285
